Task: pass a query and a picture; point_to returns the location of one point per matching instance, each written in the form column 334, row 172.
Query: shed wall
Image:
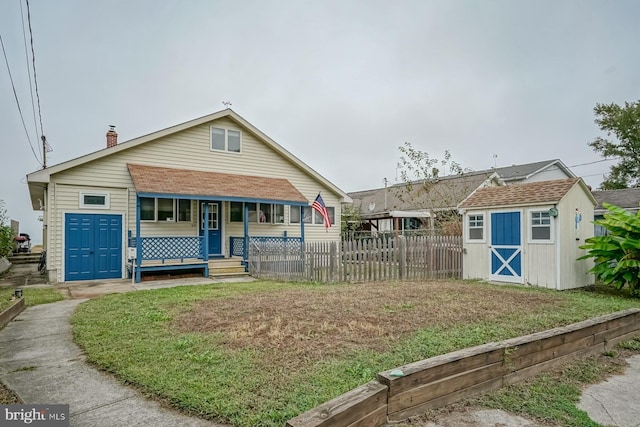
column 574, row 273
column 540, row 264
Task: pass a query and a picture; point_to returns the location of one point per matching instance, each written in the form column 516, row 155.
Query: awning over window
column 221, row 186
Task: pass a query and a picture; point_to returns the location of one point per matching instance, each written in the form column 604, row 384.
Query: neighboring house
column 178, row 198
column 529, row 233
column 628, row 198
column 402, row 208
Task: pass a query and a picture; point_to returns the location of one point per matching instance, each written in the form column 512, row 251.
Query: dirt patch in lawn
column 316, row 322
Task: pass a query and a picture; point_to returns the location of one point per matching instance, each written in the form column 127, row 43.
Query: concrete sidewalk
column 41, row 363
column 614, row 402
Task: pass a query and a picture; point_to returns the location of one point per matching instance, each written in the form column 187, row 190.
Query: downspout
column 138, row 241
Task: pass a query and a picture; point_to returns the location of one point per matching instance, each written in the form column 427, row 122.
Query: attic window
column 225, row 140
column 94, row 200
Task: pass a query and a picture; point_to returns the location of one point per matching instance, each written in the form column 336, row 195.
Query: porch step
column 226, row 267
column 23, row 258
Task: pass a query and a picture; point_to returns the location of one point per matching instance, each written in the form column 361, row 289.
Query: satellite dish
column 372, row 206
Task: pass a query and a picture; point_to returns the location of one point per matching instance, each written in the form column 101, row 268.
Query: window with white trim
column 263, row 213
column 94, row 200
column 311, row 216
column 476, row 227
column 540, row 226
column 162, row 209
column 225, row 139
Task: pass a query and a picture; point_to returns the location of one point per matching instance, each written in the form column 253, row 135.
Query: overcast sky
column 340, row 84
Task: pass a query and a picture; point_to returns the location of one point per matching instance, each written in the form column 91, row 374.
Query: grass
column 257, row 354
column 32, row 296
column 552, row 396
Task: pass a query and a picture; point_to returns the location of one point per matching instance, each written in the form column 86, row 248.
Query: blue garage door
column 506, row 247
column 93, row 247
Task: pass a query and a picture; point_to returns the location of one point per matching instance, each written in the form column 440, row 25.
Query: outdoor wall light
column 18, row 293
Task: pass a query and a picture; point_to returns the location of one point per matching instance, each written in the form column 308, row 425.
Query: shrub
column 617, row 256
column 6, row 233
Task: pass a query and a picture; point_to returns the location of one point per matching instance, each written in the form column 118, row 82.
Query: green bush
column 617, row 256
column 6, row 233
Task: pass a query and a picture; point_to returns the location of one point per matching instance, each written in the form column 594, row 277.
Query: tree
column 624, row 124
column 349, row 220
column 617, row 255
column 424, row 188
column 6, row 233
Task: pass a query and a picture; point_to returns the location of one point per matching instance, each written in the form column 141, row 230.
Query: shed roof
column 161, row 180
column 535, row 193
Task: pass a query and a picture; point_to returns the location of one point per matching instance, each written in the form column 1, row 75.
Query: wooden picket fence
column 365, row 260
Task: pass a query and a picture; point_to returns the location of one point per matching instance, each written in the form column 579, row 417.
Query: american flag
column 319, row 206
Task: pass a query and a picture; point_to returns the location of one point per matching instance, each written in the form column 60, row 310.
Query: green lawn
column 32, row 296
column 257, row 354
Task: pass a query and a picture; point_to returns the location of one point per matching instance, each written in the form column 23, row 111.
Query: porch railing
column 275, row 243
column 170, row 247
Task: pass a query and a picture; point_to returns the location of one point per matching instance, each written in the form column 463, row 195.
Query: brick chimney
column 112, row 137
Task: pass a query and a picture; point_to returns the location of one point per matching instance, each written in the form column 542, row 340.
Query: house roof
column 520, row 172
column 37, row 180
column 443, row 193
column 535, row 193
column 161, row 180
column 628, row 198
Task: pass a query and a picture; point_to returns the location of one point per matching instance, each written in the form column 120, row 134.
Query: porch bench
column 170, row 264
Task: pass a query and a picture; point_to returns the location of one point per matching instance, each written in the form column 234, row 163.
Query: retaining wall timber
column 10, row 313
column 445, row 379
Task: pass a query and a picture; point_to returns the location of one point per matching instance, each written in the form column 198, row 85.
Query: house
column 627, row 198
column 529, row 233
column 182, row 198
column 428, row 205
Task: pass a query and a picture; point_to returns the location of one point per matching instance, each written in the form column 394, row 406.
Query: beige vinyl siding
column 573, row 273
column 538, row 258
column 189, row 149
column 550, row 173
column 66, row 199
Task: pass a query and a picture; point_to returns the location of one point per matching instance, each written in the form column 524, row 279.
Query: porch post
column 138, row 241
column 245, row 247
column 302, row 223
column 205, row 221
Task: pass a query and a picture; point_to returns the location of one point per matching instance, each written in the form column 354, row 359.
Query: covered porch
column 187, row 220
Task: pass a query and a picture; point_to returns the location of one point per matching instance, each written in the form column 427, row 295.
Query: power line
column 594, row 162
column 33, row 58
column 26, row 55
column 17, row 102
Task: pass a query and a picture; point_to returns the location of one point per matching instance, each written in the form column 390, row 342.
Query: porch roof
column 221, row 186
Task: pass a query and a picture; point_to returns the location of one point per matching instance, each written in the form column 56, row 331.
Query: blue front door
column 93, row 246
column 506, row 247
column 215, row 235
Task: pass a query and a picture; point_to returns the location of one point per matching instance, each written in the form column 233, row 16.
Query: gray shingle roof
column 509, row 173
column 627, row 198
column 444, row 193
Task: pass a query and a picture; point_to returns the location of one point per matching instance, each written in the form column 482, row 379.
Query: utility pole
column 46, row 148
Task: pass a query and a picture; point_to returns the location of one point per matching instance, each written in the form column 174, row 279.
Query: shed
column 529, row 233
